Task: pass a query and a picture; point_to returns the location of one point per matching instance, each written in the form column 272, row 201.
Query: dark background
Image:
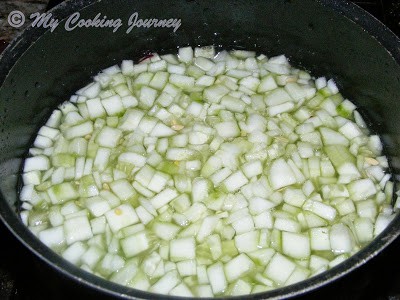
column 23, row 276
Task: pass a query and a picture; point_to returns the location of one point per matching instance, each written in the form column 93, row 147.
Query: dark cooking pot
column 333, row 38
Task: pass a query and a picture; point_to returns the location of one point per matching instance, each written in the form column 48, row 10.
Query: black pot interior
column 323, row 37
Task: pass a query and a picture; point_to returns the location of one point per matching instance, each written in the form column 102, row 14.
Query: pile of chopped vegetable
column 204, row 174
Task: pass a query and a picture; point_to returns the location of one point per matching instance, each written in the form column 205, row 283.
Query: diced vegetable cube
column 121, row 216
